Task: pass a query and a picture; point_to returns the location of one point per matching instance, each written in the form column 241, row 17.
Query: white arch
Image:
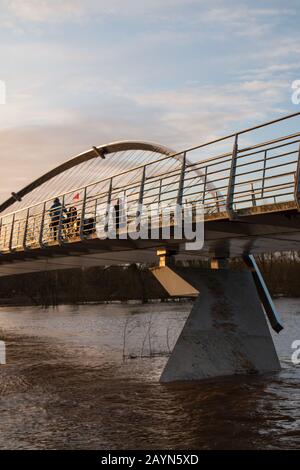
column 102, row 151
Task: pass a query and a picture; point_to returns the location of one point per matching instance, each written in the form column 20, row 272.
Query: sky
column 80, row 73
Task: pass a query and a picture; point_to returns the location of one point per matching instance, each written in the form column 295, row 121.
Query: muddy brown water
column 86, row 377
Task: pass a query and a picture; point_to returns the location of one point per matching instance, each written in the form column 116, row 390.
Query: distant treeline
column 281, row 272
column 72, row 286
column 134, row 282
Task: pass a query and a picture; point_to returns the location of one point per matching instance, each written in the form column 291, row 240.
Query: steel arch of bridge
column 96, row 152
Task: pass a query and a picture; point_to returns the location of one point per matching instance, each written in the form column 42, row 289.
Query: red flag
column 76, row 197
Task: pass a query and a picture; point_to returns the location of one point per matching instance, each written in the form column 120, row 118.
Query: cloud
column 243, row 20
column 37, row 11
column 179, row 118
column 202, row 112
column 271, row 72
column 57, row 11
column 32, row 150
column 171, row 71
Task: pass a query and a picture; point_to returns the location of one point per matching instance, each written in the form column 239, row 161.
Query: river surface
column 86, row 377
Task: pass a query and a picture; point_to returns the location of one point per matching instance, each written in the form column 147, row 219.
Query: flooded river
column 86, row 377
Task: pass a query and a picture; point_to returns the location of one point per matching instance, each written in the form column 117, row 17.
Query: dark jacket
column 55, row 210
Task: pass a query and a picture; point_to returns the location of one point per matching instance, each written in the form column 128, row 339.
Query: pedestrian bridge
column 248, row 184
column 250, row 195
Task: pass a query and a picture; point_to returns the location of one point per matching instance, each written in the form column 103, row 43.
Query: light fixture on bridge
column 100, row 152
column 162, row 257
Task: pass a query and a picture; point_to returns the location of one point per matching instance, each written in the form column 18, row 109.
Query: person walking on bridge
column 56, row 212
column 70, row 221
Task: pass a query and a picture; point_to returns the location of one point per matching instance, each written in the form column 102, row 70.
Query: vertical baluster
column 217, row 201
column 204, row 185
column 81, row 230
column 160, row 190
column 180, row 192
column 41, row 235
column 181, row 180
column 109, row 195
column 253, row 195
column 11, row 233
column 5, row 236
column 297, row 182
column 95, row 213
column 231, row 183
column 143, row 179
column 25, row 230
column 159, row 201
column 59, row 237
column 264, row 174
column 141, row 199
column 17, row 236
column 1, row 235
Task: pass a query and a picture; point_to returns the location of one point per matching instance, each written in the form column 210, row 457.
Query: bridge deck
column 250, row 199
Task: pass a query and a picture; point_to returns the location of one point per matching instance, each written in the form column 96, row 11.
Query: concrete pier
column 226, row 332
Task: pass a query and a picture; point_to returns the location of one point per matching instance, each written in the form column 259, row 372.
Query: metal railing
column 261, row 174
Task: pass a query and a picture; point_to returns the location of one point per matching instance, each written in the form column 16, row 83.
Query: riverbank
column 80, row 286
column 128, row 283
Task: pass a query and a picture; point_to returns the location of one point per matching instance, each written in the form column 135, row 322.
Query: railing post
column 81, row 229
column 25, row 230
column 141, row 199
column 297, row 182
column 204, row 185
column 159, row 200
column 264, row 174
column 141, row 193
column 59, row 234
column 142, row 186
column 11, row 233
column 18, row 233
column 5, row 236
column 217, row 201
column 109, row 194
column 159, row 190
column 1, row 244
column 253, row 195
column 231, row 182
column 181, row 181
column 42, row 226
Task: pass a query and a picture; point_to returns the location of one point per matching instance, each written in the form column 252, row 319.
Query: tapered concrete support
column 226, row 332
